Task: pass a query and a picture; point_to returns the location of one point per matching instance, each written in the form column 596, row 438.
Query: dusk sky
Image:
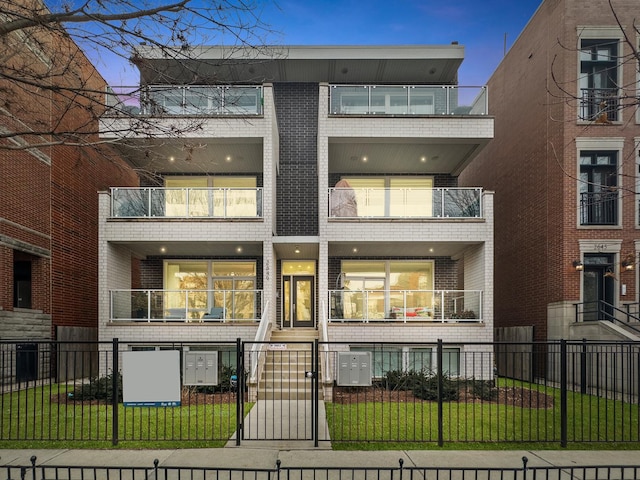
column 480, row 26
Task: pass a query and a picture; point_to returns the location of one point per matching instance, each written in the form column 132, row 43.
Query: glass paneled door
column 598, row 287
column 298, row 308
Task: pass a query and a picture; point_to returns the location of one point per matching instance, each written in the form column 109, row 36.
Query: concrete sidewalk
column 264, row 455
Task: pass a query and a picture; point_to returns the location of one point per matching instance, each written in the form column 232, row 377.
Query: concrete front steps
column 283, row 375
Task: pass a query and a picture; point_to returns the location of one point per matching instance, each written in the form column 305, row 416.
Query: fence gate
column 282, row 385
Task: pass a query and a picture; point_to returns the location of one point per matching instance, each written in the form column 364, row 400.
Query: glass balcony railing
column 190, row 100
column 158, row 202
column 405, row 202
column 407, row 100
column 186, row 305
column 405, row 306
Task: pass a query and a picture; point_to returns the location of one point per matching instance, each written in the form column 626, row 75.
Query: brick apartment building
column 318, row 197
column 48, row 195
column 564, row 165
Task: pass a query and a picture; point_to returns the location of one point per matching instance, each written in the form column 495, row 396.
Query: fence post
column 115, row 375
column 315, row 382
column 563, row 393
column 239, row 389
column 583, row 367
column 440, row 387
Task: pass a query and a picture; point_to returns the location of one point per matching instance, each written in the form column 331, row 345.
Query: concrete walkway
column 267, row 455
column 288, row 421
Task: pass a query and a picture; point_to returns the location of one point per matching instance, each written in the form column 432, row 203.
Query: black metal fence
column 544, row 392
column 280, row 472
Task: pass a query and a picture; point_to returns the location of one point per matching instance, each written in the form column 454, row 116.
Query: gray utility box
column 200, row 368
column 354, row 369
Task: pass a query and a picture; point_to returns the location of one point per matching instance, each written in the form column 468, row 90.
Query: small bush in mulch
column 98, row 389
column 399, row 386
column 427, row 389
column 399, row 380
column 482, row 389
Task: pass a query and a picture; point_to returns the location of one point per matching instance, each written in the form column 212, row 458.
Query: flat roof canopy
column 421, row 64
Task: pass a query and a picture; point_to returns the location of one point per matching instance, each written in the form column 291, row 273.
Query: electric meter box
column 354, row 369
column 200, row 368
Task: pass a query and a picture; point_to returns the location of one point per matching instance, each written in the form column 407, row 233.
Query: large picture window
column 196, row 288
column 378, row 289
column 393, row 196
column 212, row 196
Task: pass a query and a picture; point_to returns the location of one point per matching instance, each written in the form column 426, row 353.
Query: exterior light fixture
column 627, row 264
column 297, row 250
column 578, row 265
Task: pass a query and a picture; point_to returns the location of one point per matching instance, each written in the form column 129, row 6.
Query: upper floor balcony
column 185, row 100
column 409, row 203
column 600, row 105
column 213, row 203
column 407, row 100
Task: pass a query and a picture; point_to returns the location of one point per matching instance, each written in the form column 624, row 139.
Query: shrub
column 399, row 380
column 427, row 389
column 98, row 389
column 484, row 389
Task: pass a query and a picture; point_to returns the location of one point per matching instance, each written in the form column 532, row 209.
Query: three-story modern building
column 310, row 188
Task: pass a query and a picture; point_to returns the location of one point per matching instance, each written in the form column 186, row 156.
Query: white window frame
column 599, row 144
column 604, row 32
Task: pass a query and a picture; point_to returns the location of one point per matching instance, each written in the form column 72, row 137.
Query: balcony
column 599, row 208
column 399, row 100
column 405, row 306
column 185, row 306
column 600, row 105
column 187, row 100
column 418, row 203
column 213, row 203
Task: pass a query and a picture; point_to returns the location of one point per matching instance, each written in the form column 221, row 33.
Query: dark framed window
column 599, row 188
column 599, row 99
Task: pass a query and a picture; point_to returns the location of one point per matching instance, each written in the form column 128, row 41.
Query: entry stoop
column 288, row 358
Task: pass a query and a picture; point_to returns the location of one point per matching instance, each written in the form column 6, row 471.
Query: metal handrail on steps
column 607, row 312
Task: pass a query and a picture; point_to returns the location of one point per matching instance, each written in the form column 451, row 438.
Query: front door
column 598, row 287
column 298, row 305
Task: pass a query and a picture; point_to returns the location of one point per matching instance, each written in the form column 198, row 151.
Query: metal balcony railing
column 405, row 306
column 405, row 202
column 599, row 104
column 185, row 305
column 408, row 100
column 155, row 202
column 185, row 100
column 599, row 208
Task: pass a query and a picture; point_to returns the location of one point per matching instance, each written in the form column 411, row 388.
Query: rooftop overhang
column 412, row 64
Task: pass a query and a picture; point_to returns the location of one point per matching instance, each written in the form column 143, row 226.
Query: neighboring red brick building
column 564, row 166
column 48, row 195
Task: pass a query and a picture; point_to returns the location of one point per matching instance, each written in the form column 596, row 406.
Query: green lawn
column 30, row 419
column 35, row 416
column 589, row 419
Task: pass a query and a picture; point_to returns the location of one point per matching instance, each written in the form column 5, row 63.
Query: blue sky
column 479, row 25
